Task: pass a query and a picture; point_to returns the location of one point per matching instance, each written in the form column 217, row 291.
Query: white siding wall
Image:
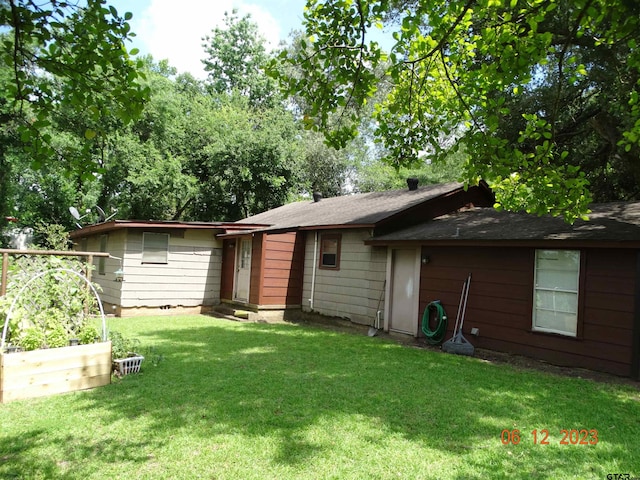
column 190, row 278
column 354, row 291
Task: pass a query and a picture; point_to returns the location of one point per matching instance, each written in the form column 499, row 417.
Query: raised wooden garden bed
column 56, row 370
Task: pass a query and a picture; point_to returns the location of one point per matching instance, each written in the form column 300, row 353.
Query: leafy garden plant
column 51, row 304
column 121, row 346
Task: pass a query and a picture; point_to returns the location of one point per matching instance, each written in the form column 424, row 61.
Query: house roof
column 357, row 210
column 106, row 227
column 617, row 222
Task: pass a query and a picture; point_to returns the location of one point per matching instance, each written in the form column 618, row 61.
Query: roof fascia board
column 339, row 226
column 539, row 243
column 122, row 224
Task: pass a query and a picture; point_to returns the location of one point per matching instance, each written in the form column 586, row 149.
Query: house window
column 155, row 247
column 103, row 248
column 330, row 251
column 557, row 276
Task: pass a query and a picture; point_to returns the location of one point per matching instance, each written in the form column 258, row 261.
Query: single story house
column 312, row 255
column 306, row 255
column 567, row 294
column 155, row 266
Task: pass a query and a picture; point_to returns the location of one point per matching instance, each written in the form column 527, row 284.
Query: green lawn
column 239, row 401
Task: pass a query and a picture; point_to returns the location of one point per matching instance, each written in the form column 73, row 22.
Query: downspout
column 313, row 271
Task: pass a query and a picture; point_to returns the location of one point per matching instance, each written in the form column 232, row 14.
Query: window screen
column 557, row 277
column 155, row 247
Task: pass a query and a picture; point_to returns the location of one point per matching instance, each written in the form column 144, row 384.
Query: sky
column 173, row 30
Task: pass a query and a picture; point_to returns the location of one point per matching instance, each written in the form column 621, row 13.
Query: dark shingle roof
column 608, row 222
column 358, row 209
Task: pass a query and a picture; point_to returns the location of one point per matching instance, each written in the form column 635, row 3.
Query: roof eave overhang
column 307, row 228
column 340, row 226
column 101, row 228
column 408, row 210
column 535, row 243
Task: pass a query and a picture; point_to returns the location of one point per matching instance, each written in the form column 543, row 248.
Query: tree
column 64, row 55
column 58, row 58
column 379, row 176
column 246, row 160
column 145, row 163
column 236, row 61
column 324, row 169
column 460, row 73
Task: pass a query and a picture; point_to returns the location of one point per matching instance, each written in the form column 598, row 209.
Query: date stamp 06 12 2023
column 541, row 437
column 568, row 437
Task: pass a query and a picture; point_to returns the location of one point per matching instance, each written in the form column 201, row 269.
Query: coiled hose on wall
column 436, row 336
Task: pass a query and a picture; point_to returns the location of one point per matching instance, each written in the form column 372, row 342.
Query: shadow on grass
column 281, row 380
column 296, row 386
column 19, row 459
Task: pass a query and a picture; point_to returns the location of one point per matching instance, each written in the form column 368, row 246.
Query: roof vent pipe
column 317, row 196
column 412, row 183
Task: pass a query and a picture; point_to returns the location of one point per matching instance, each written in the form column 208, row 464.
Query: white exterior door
column 404, row 291
column 243, row 270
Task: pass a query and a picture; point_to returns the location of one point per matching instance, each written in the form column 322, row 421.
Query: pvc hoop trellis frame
column 42, row 274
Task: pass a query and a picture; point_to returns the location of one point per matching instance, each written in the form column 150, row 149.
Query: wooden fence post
column 87, row 269
column 5, row 267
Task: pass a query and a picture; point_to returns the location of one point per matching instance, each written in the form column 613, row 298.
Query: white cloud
column 174, row 30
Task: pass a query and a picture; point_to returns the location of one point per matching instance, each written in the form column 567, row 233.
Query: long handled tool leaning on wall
column 458, row 344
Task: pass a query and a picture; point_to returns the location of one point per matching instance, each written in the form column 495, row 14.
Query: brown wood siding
column 228, row 268
column 283, row 262
column 255, row 285
column 501, row 301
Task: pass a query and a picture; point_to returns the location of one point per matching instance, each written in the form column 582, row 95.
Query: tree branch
column 16, row 48
column 359, row 68
column 458, row 94
column 445, row 38
column 565, row 47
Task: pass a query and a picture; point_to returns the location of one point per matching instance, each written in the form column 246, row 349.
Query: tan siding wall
column 355, row 290
column 191, row 276
column 110, row 293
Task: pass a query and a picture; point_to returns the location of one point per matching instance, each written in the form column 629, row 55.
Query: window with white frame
column 155, row 247
column 557, row 277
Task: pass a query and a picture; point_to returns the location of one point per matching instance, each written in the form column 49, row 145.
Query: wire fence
column 19, row 265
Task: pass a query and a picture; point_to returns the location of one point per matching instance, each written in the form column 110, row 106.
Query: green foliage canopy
column 455, row 68
column 236, row 57
column 61, row 55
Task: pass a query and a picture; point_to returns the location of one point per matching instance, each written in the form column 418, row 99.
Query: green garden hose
column 436, row 336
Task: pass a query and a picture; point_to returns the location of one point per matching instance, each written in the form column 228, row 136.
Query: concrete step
column 231, row 313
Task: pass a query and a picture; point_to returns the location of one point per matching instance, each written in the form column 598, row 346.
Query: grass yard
column 241, row 401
